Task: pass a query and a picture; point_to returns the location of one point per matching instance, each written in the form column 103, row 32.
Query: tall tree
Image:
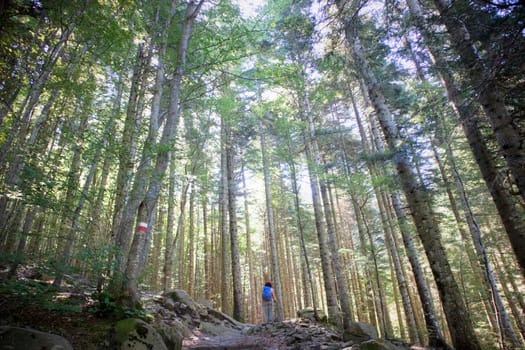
column 483, row 72
column 274, row 261
column 146, row 202
column 460, row 325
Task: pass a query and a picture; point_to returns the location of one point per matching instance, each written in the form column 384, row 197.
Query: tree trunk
column 238, row 312
column 490, row 97
column 127, row 154
column 167, row 268
column 342, row 286
column 309, row 285
column 511, row 215
column 148, row 202
column 253, row 292
column 223, row 202
column 460, row 325
column 190, row 256
column 389, row 239
column 274, row 261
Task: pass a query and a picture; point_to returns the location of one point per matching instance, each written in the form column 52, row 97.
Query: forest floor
column 71, row 312
column 79, row 326
column 76, row 313
column 68, row 315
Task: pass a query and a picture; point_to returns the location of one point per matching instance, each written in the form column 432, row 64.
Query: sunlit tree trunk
column 190, row 257
column 504, row 325
column 127, row 154
column 344, row 297
column 23, row 117
column 148, row 201
column 274, row 254
column 206, row 246
column 514, row 297
column 252, row 290
column 458, row 320
column 225, row 266
column 511, row 215
column 238, row 310
column 309, row 285
column 490, row 97
column 480, row 264
column 167, row 269
column 401, row 281
column 157, row 249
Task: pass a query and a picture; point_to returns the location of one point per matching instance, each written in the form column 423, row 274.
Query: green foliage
column 107, row 305
column 98, row 257
column 41, row 294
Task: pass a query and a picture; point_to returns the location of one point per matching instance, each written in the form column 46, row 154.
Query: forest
column 367, row 157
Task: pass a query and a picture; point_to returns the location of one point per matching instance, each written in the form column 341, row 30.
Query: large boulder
column 359, row 332
column 172, row 333
column 30, row 339
column 135, row 334
column 182, row 303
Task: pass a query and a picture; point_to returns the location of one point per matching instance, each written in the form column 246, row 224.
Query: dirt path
column 234, row 340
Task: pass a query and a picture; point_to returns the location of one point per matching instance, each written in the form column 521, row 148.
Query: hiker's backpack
column 267, row 293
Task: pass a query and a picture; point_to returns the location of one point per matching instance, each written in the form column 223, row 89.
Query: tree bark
column 309, row 284
column 238, row 310
column 488, row 93
column 253, row 292
column 460, row 325
column 511, row 215
column 148, row 202
column 276, row 275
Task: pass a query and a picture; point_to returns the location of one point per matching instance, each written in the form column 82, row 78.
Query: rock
column 308, row 313
column 169, row 304
column 215, row 328
column 135, row 334
column 181, row 296
column 359, row 332
column 172, row 334
column 223, row 317
column 30, row 339
column 377, row 344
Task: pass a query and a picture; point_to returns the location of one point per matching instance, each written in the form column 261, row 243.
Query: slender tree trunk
column 238, row 312
column 223, row 200
column 20, row 250
column 389, row 239
column 157, row 253
column 309, row 285
column 276, row 275
column 344, row 297
column 481, row 263
column 488, row 277
column 127, row 154
column 148, row 202
column 170, row 242
column 206, row 247
column 191, row 244
column 511, row 215
column 460, row 325
column 22, row 119
column 490, row 97
column 253, row 292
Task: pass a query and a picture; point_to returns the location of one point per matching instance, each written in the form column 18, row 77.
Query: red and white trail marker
column 142, row 226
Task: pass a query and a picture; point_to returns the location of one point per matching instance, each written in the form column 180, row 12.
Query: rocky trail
column 34, row 316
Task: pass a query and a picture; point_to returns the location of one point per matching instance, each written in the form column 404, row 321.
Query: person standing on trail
column 268, row 298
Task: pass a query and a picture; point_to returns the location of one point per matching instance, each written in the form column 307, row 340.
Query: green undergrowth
column 107, row 306
column 41, row 294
